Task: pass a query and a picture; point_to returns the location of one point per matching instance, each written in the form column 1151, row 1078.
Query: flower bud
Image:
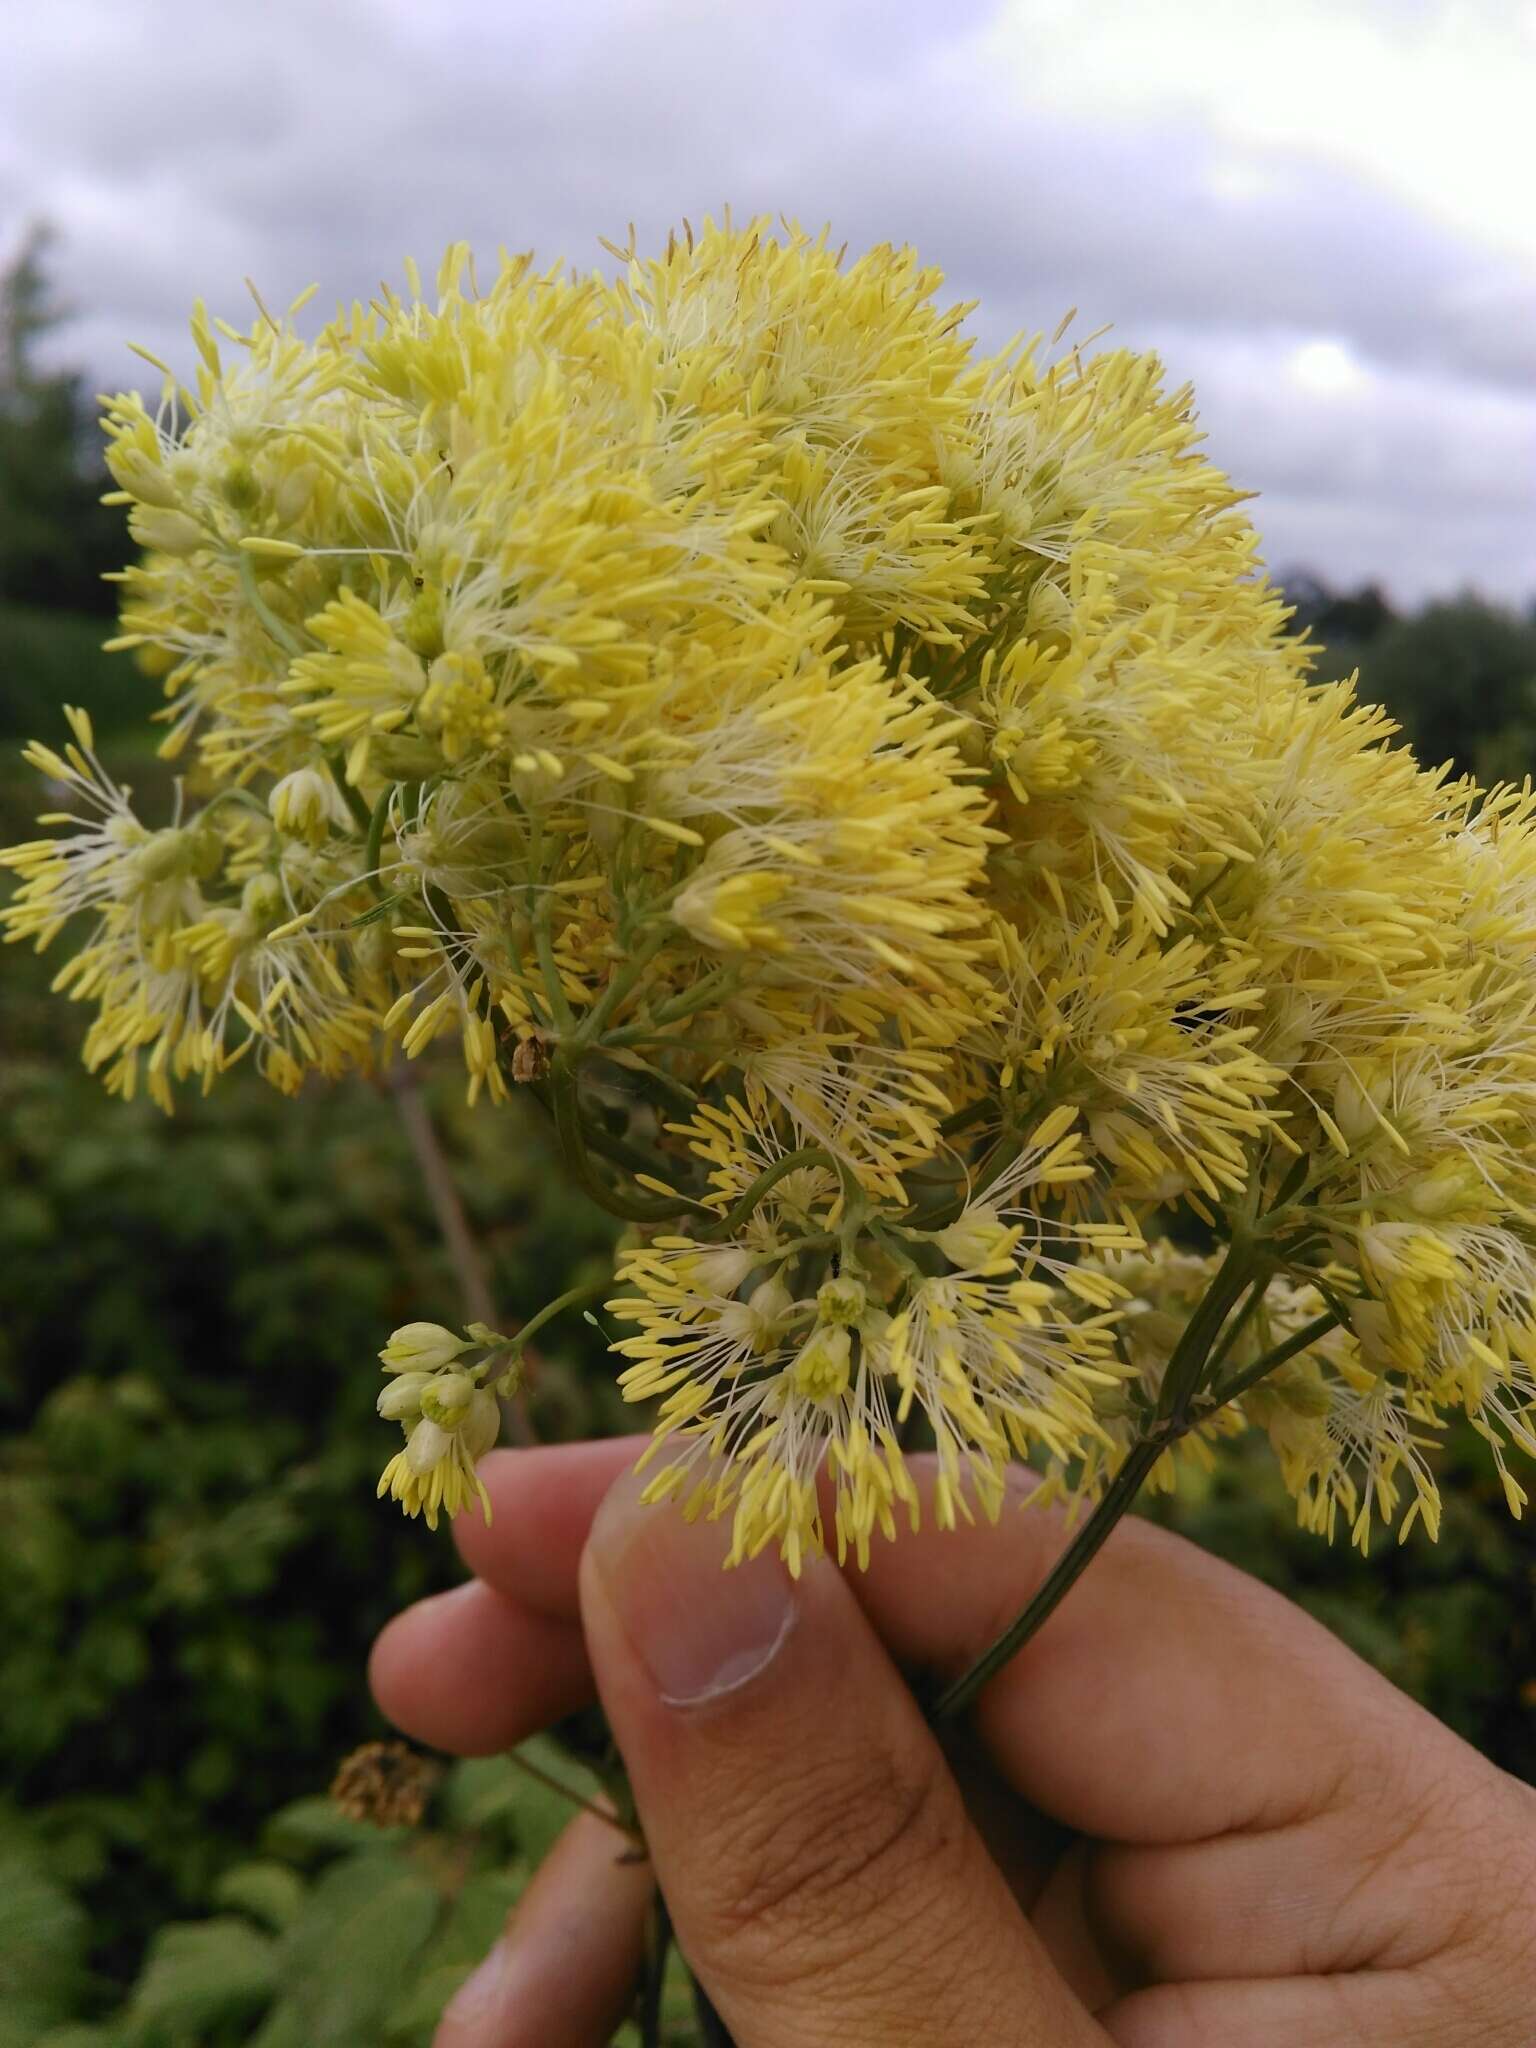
column 1453, row 1184
column 400, row 1400
column 718, row 1269
column 164, row 857
column 821, row 1370
column 423, row 1347
column 446, row 1397
column 481, row 1425
column 1359, row 1100
column 422, row 630
column 841, row 1301
column 262, row 903
column 141, row 475
column 977, row 1241
column 306, row 803
column 293, row 491
column 427, row 1445
column 768, row 1305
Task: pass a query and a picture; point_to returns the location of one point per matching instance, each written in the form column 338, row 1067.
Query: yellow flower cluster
column 869, row 796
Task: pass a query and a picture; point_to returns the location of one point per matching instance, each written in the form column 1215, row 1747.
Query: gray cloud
column 180, row 149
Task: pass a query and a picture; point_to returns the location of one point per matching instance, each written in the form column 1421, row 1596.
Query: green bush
column 195, row 1564
column 51, row 658
column 333, row 1934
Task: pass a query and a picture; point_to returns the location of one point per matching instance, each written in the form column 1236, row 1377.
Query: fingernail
column 700, row 1631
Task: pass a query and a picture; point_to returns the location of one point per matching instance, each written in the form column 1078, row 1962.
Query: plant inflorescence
column 869, row 795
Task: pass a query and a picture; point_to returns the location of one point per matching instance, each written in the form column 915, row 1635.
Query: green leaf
column 201, row 1974
column 42, row 1946
column 310, row 1829
column 475, row 1922
column 348, row 1960
column 268, row 1892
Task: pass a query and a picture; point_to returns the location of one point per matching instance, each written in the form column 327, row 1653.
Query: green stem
column 961, row 1119
column 712, row 2031
column 684, row 1100
column 618, row 1150
column 1069, row 1567
column 620, row 982
column 571, row 1297
column 566, row 1103
column 1187, row 1361
column 699, row 997
column 732, row 1220
column 373, row 848
column 569, row 1792
column 654, row 1974
column 554, row 989
column 351, row 796
column 1298, row 1341
column 1238, row 1324
column 1174, row 1416
column 258, row 604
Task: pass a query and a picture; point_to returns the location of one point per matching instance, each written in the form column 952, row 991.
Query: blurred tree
column 56, row 537
column 1338, row 619
column 1462, row 678
column 1459, row 675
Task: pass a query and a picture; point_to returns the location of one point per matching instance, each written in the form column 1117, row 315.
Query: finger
column 1407, row 1866
column 474, row 1673
column 542, row 1504
column 1345, row 2012
column 822, row 1875
column 564, row 1972
column 1169, row 1698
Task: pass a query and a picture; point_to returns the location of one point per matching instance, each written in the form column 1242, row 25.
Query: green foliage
column 340, row 1936
column 42, row 1948
column 1460, row 676
column 56, row 537
column 49, row 658
column 195, row 1563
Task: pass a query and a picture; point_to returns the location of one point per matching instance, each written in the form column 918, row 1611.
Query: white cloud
column 1257, row 188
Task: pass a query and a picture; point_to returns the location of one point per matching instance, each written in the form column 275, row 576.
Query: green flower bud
column 421, row 1347
column 446, row 1397
column 481, row 1425
column 977, row 1241
column 400, row 1400
column 842, row 1301
column 821, row 1370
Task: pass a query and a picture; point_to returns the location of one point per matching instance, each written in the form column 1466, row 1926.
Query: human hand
column 1185, row 1816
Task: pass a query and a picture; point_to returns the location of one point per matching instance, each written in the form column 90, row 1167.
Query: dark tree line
column 1459, row 674
column 56, row 537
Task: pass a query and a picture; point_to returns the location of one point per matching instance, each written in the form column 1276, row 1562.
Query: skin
column 1183, row 1817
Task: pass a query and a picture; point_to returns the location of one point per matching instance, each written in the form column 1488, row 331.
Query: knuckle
column 835, row 1867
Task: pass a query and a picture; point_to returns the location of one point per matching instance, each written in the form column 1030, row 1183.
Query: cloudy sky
column 1319, row 210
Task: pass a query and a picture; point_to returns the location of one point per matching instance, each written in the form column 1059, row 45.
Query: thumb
column 823, row 1877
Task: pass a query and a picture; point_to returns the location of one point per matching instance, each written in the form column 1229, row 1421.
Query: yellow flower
column 870, row 795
